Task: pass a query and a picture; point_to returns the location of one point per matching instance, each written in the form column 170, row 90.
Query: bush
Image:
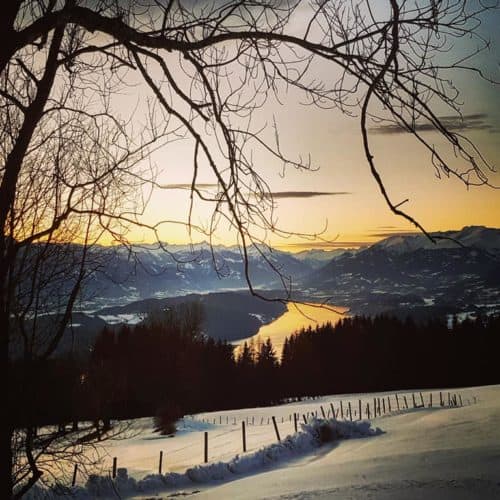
column 166, row 417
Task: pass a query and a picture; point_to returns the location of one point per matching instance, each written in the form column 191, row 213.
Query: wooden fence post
column 389, row 403
column 350, row 411
column 374, row 407
column 430, row 400
column 276, row 429
column 243, row 435
column 115, row 460
column 323, row 412
column 205, row 454
column 397, row 402
column 359, row 409
column 333, row 410
column 160, row 464
column 378, row 405
column 305, row 419
column 406, row 401
column 441, row 402
column 460, row 397
column 422, row 400
column 75, row 470
column 295, row 425
column 341, row 410
column 413, row 398
column 383, row 404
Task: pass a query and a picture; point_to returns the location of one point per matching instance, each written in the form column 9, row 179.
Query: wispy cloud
column 274, row 195
column 386, row 234
column 477, row 121
column 325, row 245
column 303, row 194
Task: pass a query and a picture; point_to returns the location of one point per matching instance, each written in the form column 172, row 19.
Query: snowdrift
column 311, row 436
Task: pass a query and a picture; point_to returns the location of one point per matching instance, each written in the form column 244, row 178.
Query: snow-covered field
column 421, row 453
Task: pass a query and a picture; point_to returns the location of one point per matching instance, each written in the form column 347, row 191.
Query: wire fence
column 220, row 436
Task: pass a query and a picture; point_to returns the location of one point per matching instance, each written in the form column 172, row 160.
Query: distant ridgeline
column 402, row 275
column 164, row 366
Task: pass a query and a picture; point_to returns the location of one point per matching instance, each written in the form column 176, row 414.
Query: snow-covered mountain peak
column 470, row 236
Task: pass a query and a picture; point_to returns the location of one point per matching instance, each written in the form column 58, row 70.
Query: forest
column 166, row 367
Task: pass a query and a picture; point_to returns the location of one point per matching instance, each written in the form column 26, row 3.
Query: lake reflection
column 296, row 317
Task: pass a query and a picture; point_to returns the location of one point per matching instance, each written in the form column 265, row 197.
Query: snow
column 471, row 236
column 461, row 317
column 129, row 319
column 258, row 316
column 451, row 453
column 302, row 442
column 422, row 453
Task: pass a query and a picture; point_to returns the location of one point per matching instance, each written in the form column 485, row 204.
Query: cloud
column 386, row 234
column 274, row 195
column 477, row 121
column 325, row 245
column 303, row 194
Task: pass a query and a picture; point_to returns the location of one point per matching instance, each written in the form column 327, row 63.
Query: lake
column 294, row 318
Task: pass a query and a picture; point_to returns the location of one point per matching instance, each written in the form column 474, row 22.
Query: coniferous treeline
column 166, row 366
column 364, row 354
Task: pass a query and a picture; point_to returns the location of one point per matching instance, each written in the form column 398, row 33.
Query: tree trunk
column 6, row 423
column 5, row 462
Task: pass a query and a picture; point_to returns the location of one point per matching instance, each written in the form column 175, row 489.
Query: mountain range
column 175, row 270
column 403, row 275
column 480, row 237
column 410, row 275
column 409, row 265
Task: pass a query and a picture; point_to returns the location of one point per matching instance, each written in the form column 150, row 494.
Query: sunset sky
column 341, row 199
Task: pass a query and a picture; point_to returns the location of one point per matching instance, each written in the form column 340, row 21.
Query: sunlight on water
column 296, row 317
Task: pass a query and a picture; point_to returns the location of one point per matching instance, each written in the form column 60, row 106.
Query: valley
column 458, row 276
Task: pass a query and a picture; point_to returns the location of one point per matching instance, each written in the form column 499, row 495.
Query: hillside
column 410, row 274
column 431, row 452
column 228, row 315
